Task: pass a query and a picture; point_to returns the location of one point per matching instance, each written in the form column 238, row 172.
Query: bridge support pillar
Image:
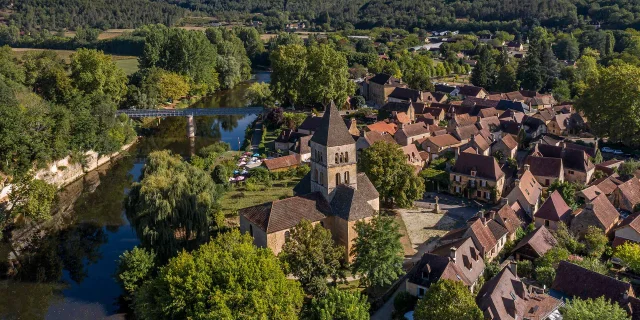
column 191, row 127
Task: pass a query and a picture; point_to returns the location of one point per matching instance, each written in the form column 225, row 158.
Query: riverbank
column 65, row 171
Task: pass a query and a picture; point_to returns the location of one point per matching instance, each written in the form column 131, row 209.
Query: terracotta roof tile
column 383, row 127
column 554, row 209
column 443, row 140
column 544, row 166
column 631, row 191
column 540, row 240
column 282, row 162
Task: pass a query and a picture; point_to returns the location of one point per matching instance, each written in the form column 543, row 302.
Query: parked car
column 607, row 150
column 618, row 152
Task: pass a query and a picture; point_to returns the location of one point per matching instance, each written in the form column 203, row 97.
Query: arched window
column 346, row 177
column 341, row 157
column 337, row 178
column 336, row 157
column 346, row 157
column 321, row 178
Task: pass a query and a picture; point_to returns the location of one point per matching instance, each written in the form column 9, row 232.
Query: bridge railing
column 144, row 113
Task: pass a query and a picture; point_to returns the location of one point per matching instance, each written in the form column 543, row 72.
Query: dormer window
column 473, row 173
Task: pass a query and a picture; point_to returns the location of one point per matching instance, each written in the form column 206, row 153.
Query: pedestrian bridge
column 151, row 113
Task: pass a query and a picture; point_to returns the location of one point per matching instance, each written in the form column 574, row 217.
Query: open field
column 128, row 63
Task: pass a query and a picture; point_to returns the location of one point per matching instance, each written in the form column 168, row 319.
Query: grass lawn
column 129, row 65
column 239, row 197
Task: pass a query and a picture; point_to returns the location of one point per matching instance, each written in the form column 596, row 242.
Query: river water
column 70, row 273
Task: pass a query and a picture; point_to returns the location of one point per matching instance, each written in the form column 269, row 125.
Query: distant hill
column 104, row 14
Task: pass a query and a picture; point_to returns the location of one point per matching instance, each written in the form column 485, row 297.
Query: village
column 518, row 177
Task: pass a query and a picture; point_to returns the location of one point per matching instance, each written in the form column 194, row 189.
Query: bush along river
column 67, row 264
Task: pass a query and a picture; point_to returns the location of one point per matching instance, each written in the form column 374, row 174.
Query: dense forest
column 71, row 14
column 330, row 14
column 463, row 14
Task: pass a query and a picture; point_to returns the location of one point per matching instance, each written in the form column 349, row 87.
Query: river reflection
column 68, row 267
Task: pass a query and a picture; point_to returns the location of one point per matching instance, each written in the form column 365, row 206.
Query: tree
column 233, row 64
column 506, row 81
column 134, row 268
column 289, row 66
column 311, row 256
column 378, row 251
column 9, row 67
column 227, row 278
column 567, row 49
column 618, row 122
column 393, row 177
column 593, row 264
column 484, row 72
column 259, row 93
column 31, row 198
column 567, row 190
column 598, row 157
column 220, row 175
column 339, row 305
column 595, row 242
column 553, row 257
column 529, row 71
column 447, row 300
column 94, row 72
column 629, row 252
column 173, row 206
column 545, row 275
column 491, row 270
column 327, row 76
column 358, row 102
column 173, row 86
column 628, row 168
column 566, row 239
column 590, row 309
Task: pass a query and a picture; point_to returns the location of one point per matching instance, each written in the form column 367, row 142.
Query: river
column 70, row 273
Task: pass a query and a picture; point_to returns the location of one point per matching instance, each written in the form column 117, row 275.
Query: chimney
column 589, row 206
column 452, row 254
column 504, row 201
column 514, row 268
column 492, row 214
column 527, row 167
column 457, row 153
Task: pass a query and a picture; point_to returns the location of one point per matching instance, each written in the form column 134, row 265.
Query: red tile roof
column 282, row 162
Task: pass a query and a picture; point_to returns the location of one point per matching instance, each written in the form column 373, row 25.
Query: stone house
column 413, row 156
column 558, row 125
column 506, row 297
column 408, row 134
column 396, row 108
column 553, row 211
column 472, row 91
column 527, row 191
column 378, row 88
column 287, row 139
column 457, row 261
column 477, row 177
column 438, row 145
column 599, row 213
column 576, row 163
column 546, row 170
column 368, row 138
column 535, row 244
column 488, row 236
column 628, row 231
column 507, row 146
column 627, row 195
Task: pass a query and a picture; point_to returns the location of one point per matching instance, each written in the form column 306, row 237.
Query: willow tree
column 174, row 206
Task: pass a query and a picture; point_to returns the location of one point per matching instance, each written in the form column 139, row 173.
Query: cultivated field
column 128, row 63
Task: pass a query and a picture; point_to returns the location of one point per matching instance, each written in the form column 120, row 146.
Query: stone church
column 332, row 194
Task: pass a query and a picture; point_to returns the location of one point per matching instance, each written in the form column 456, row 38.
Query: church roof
column 332, row 131
column 350, row 204
column 285, row 214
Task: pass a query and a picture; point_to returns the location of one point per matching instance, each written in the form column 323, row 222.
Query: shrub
column 404, row 302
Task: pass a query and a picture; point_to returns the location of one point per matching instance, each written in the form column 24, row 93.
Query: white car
column 607, row 150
